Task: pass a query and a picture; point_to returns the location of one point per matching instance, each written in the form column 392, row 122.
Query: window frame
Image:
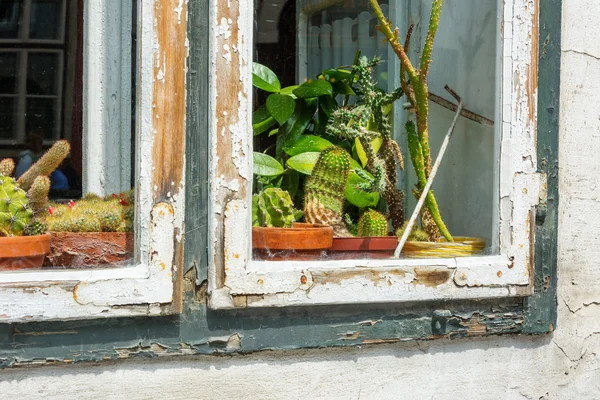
column 236, row 281
column 152, row 287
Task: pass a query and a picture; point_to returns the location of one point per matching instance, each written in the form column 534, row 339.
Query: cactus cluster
column 372, row 223
column 324, row 190
column 415, row 235
column 23, row 201
column 114, row 213
column 273, row 207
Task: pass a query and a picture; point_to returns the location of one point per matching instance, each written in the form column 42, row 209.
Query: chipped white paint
column 233, row 273
column 146, row 288
column 107, row 97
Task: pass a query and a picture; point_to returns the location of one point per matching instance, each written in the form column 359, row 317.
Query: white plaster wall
column 564, row 365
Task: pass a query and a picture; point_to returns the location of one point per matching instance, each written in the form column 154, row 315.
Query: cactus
column 38, row 194
column 15, row 213
column 372, row 223
column 324, row 190
column 414, row 84
column 273, row 207
column 35, row 227
column 416, row 234
column 7, row 166
column 93, row 214
column 46, row 164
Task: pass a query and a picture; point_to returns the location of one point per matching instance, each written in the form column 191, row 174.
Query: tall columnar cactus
column 15, row 213
column 324, row 190
column 414, row 84
column 46, row 164
column 38, row 195
column 372, row 223
column 273, row 207
column 7, row 166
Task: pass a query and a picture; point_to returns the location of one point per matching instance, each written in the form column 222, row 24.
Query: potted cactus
column 91, row 232
column 24, row 241
column 277, row 236
column 324, row 204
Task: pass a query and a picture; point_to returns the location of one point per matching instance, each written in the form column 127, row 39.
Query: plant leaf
column 265, row 79
column 265, row 165
column 340, row 87
column 360, row 151
column 281, row 107
column 336, row 74
column 288, row 90
column 307, row 143
column 262, row 120
column 312, row 89
column 304, row 162
column 328, row 105
column 357, row 197
column 295, row 126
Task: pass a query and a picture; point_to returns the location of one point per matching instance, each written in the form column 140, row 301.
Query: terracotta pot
column 300, row 242
column 21, row 252
column 90, row 249
column 363, row 247
column 461, row 247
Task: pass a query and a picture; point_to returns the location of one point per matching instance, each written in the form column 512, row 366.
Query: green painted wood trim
column 196, row 213
column 201, row 331
column 540, row 308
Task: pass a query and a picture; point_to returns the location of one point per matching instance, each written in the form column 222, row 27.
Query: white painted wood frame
column 107, row 80
column 235, row 280
column 151, row 287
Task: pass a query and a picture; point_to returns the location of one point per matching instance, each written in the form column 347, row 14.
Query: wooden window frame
column 151, row 287
column 237, row 281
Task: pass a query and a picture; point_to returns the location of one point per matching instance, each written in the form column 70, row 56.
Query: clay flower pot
column 300, row 242
column 363, row 247
column 461, row 247
column 90, row 249
column 21, row 252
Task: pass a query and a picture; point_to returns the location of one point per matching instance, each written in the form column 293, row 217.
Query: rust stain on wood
column 337, row 277
column 431, row 277
column 169, row 96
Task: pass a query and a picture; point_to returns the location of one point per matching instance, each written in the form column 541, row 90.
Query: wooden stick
column 434, row 170
column 465, row 113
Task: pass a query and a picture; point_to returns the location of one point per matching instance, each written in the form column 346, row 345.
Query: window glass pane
column 8, row 73
column 42, row 98
column 7, row 117
column 43, row 73
column 45, row 19
column 10, row 12
column 339, row 143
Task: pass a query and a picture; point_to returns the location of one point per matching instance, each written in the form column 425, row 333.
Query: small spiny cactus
column 7, row 166
column 15, row 213
column 46, row 164
column 416, row 234
column 273, row 207
column 372, row 223
column 324, row 191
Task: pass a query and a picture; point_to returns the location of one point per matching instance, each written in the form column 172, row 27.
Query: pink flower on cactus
column 50, row 210
column 123, row 202
column 71, row 204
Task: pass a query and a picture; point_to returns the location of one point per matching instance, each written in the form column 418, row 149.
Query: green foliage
column 416, row 234
column 273, row 207
column 372, row 223
column 94, row 214
column 265, row 165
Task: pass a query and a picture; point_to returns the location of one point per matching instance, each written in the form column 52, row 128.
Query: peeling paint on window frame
column 151, row 287
column 237, row 281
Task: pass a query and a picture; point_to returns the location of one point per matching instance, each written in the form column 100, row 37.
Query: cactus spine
column 324, row 190
column 273, row 207
column 46, row 164
column 372, row 223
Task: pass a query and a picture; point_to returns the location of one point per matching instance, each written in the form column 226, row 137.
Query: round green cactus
column 15, row 213
column 324, row 191
column 372, row 223
column 273, row 207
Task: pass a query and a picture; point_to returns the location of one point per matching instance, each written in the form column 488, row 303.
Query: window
column 95, row 59
column 484, row 50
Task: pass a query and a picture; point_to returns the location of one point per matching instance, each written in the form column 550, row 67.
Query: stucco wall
column 564, row 365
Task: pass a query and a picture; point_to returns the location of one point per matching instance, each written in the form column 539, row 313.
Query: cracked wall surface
column 561, row 365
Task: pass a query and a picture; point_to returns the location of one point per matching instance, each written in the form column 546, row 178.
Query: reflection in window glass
column 342, row 149
column 41, row 113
